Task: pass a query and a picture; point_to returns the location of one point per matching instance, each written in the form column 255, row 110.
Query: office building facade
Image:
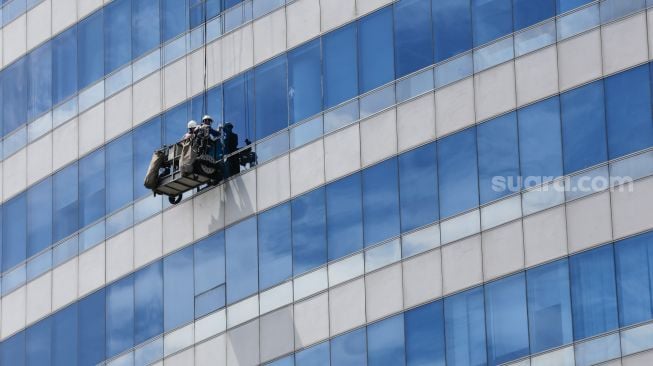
column 437, row 182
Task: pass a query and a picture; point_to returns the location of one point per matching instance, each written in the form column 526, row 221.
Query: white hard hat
column 192, row 124
column 207, row 118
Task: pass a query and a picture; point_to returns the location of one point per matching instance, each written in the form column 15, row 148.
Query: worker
column 214, row 135
column 192, row 125
column 230, row 143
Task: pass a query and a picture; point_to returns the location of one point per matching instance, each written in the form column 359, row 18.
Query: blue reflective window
column 239, row 104
column 413, row 36
column 120, row 316
column 628, row 111
column 566, row 5
column 91, row 188
column 148, row 138
column 506, row 319
column 452, row 27
column 117, row 34
column 549, row 306
column 214, row 104
column 376, row 50
column 593, row 295
column 196, row 109
column 528, row 12
column 196, row 10
column 14, row 93
column 178, row 290
column 309, row 238
column 498, row 158
column 344, row 216
column 380, row 202
column 148, row 302
column 349, row 349
column 317, row 355
column 491, row 19
column 174, row 124
column 13, row 350
column 65, row 337
column 92, row 314
column 209, row 263
column 275, row 248
column 340, row 60
column 90, row 50
column 64, row 65
column 271, row 92
column 15, row 231
column 425, row 335
column 65, row 203
column 209, row 301
column 229, row 3
column 540, row 145
column 634, row 259
column 583, row 127
column 385, row 342
column 305, row 81
column 119, row 172
column 39, row 83
column 418, row 187
column 457, row 173
column 175, row 19
column 242, row 260
column 464, row 325
column 146, row 29
column 39, row 208
column 38, row 343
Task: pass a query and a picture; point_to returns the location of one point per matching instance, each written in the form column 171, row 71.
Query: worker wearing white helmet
column 191, row 129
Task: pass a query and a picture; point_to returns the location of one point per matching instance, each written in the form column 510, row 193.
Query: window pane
column 39, row 208
column 64, row 337
column 14, row 95
column 13, row 350
column 418, row 187
column 120, row 316
column 464, row 319
column 385, row 342
column 38, row 343
column 65, row 202
column 491, row 19
column 507, row 321
column 349, row 349
column 344, row 216
column 175, row 20
column 593, row 297
column 549, row 306
column 117, row 34
column 376, row 50
column 425, row 335
column 540, row 148
column 92, row 314
column 39, row 80
column 64, row 65
column 457, row 173
column 146, row 33
column 178, row 291
column 209, row 263
column 566, row 5
column 242, row 261
column 239, row 105
column 15, row 231
column 340, row 60
column 90, row 50
column 91, row 188
column 119, row 173
column 148, row 302
column 452, row 28
column 309, row 231
column 634, row 258
column 275, row 248
column 380, row 202
column 317, row 355
column 498, row 157
column 147, row 138
column 271, row 97
column 174, row 124
column 413, row 36
column 628, row 111
column 528, row 12
column 305, row 81
column 583, row 127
